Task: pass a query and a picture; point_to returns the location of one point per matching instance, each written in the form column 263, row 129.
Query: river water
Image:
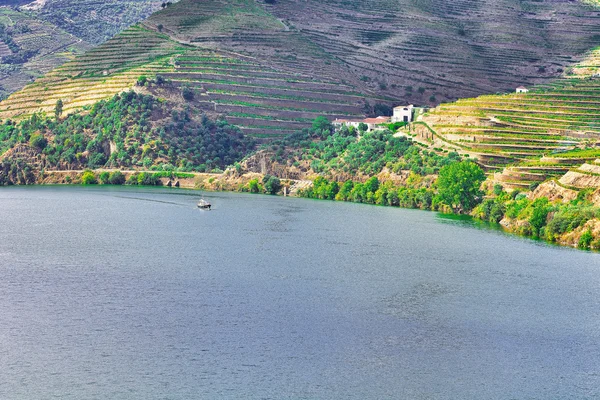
column 117, row 293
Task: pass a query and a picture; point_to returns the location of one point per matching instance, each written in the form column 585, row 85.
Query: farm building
column 522, row 89
column 370, row 122
column 403, row 114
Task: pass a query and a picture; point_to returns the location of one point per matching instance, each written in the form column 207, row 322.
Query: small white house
column 522, row 89
column 403, row 114
column 371, row 123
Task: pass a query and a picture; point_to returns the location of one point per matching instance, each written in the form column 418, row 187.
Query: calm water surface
column 114, row 293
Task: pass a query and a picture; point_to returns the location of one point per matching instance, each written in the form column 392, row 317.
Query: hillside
column 271, row 69
column 37, row 37
column 31, row 47
column 543, row 133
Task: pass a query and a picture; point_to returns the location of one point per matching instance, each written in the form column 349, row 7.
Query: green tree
column 38, row 140
column 142, row 80
column 459, row 185
column 272, row 184
column 58, row 109
column 88, row 178
column 585, row 240
column 187, row 93
column 539, row 214
column 116, row 178
column 104, row 177
column 254, row 186
column 322, row 127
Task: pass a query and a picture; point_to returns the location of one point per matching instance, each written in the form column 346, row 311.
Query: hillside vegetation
column 128, row 131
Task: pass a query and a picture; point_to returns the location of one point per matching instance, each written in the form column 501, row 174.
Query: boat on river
column 203, row 204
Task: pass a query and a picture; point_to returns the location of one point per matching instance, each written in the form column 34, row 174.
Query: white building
column 522, row 89
column 371, row 123
column 403, row 114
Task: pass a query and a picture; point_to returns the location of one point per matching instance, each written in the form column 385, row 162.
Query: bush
column 38, row 141
column 272, row 184
column 88, row 178
column 585, row 240
column 116, row 178
column 104, row 177
column 254, row 186
column 187, row 93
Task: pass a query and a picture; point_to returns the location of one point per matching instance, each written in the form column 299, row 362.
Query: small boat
column 203, row 204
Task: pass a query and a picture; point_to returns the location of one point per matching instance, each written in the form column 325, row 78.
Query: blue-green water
column 113, row 293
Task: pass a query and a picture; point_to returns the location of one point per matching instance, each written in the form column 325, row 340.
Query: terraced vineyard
column 265, row 102
column 448, row 49
column 546, row 132
column 272, row 68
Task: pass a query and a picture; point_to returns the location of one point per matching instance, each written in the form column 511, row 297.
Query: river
column 121, row 293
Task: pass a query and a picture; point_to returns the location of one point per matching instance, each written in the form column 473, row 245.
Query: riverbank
column 574, row 223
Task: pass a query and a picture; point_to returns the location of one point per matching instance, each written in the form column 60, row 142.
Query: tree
column 459, row 185
column 254, row 186
column 38, row 140
column 116, row 178
column 160, row 27
column 321, row 126
column 142, row 80
column 272, row 184
column 58, row 109
column 104, row 177
column 88, row 178
column 187, row 93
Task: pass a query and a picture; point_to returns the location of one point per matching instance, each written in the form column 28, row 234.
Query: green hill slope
column 538, row 134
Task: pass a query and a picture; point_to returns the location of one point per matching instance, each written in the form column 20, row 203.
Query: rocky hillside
column 36, row 37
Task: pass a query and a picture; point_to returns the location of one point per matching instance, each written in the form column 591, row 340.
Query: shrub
column 187, row 93
column 585, row 240
column 104, row 177
column 88, row 178
column 116, row 178
column 39, row 141
column 272, row 184
column 254, row 186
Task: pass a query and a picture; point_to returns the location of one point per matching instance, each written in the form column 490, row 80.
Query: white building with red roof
column 372, row 123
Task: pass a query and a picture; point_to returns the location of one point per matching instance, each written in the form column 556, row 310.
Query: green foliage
column 459, row 185
column 88, row 178
column 254, row 186
column 491, row 210
column 116, row 178
column 39, row 141
column 58, row 109
column 142, row 80
column 104, row 177
column 187, row 93
column 585, row 240
column 370, row 192
column 322, row 127
column 81, row 140
column 344, row 152
column 539, row 214
column 272, row 184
